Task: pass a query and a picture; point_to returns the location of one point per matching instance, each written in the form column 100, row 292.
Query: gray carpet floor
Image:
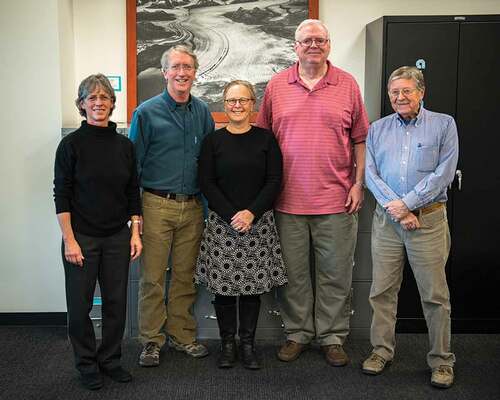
column 37, row 363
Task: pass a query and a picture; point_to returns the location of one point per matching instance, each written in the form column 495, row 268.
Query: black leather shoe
column 92, row 381
column 248, row 356
column 227, row 358
column 118, row 374
column 249, row 314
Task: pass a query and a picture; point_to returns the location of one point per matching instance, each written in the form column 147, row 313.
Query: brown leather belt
column 430, row 208
column 171, row 196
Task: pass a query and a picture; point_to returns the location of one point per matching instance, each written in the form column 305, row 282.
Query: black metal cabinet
column 460, row 58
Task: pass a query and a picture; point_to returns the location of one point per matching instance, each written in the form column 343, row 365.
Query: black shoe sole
column 375, row 373
column 337, row 365
column 149, row 365
column 440, row 385
column 124, row 378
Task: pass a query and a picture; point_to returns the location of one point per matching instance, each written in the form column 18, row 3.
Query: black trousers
column 107, row 260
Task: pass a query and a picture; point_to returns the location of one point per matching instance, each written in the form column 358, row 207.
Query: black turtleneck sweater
column 95, row 179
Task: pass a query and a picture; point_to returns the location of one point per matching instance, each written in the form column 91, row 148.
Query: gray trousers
column 427, row 249
column 321, row 309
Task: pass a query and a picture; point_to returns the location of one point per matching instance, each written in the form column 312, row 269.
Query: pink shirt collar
column 331, row 77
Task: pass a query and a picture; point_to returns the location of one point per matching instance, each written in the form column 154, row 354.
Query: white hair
column 308, row 22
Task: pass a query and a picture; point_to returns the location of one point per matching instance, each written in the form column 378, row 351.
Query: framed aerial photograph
column 233, row 39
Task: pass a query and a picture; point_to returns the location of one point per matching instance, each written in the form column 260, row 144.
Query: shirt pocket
column 427, row 158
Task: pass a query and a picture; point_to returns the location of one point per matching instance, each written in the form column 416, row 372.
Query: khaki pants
column 427, row 249
column 322, row 312
column 171, row 228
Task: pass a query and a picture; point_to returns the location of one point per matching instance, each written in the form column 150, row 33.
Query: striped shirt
column 316, row 130
column 414, row 163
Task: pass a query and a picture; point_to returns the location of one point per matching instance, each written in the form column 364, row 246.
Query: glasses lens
column 243, row 101
column 406, row 92
column 308, row 42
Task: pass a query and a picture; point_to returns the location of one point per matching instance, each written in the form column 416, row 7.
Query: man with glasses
column 167, row 131
column 410, row 161
column 317, row 114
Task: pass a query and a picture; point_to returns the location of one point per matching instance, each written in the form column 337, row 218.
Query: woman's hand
column 135, row 246
column 73, row 252
column 135, row 239
column 242, row 220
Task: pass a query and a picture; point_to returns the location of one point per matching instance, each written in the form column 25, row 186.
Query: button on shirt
column 413, row 162
column 167, row 138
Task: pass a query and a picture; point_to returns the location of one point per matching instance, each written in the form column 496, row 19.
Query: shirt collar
column 416, row 121
column 172, row 104
column 331, row 77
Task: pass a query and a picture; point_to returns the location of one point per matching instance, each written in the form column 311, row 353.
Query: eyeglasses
column 320, row 42
column 406, row 92
column 178, row 67
column 242, row 100
column 93, row 98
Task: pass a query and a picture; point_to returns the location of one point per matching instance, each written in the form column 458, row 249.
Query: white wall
column 99, row 45
column 31, row 276
column 46, row 49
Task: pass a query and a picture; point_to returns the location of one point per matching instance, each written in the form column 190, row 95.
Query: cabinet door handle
column 459, row 178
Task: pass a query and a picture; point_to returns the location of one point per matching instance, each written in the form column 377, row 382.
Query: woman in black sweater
column 96, row 194
column 240, row 169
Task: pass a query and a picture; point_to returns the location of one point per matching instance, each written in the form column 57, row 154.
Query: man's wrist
column 361, row 184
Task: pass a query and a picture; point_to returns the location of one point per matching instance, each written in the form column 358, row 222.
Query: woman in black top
column 240, row 168
column 96, row 194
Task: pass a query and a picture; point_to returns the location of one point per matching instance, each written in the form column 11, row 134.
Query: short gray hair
column 180, row 48
column 308, row 22
column 241, row 82
column 91, row 83
column 406, row 72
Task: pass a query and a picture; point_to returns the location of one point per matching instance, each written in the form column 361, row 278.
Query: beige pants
column 317, row 310
column 171, row 229
column 427, row 249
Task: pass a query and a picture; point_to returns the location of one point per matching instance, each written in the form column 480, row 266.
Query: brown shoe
column 290, row 351
column 442, row 376
column 335, row 355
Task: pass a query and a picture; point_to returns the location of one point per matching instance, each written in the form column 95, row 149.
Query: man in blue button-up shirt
column 411, row 157
column 167, row 131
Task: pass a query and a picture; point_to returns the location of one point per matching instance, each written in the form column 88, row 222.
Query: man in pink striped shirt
column 317, row 114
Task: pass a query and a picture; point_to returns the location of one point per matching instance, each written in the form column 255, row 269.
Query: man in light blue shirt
column 411, row 157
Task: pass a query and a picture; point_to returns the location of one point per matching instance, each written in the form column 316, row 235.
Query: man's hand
column 410, row 222
column 73, row 252
column 397, row 209
column 355, row 198
column 242, row 220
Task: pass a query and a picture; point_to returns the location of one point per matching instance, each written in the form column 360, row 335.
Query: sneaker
column 290, row 351
column 374, row 364
column 195, row 349
column 442, row 376
column 335, row 355
column 150, row 355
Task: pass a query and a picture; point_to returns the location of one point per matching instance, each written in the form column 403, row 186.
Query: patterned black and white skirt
column 232, row 263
